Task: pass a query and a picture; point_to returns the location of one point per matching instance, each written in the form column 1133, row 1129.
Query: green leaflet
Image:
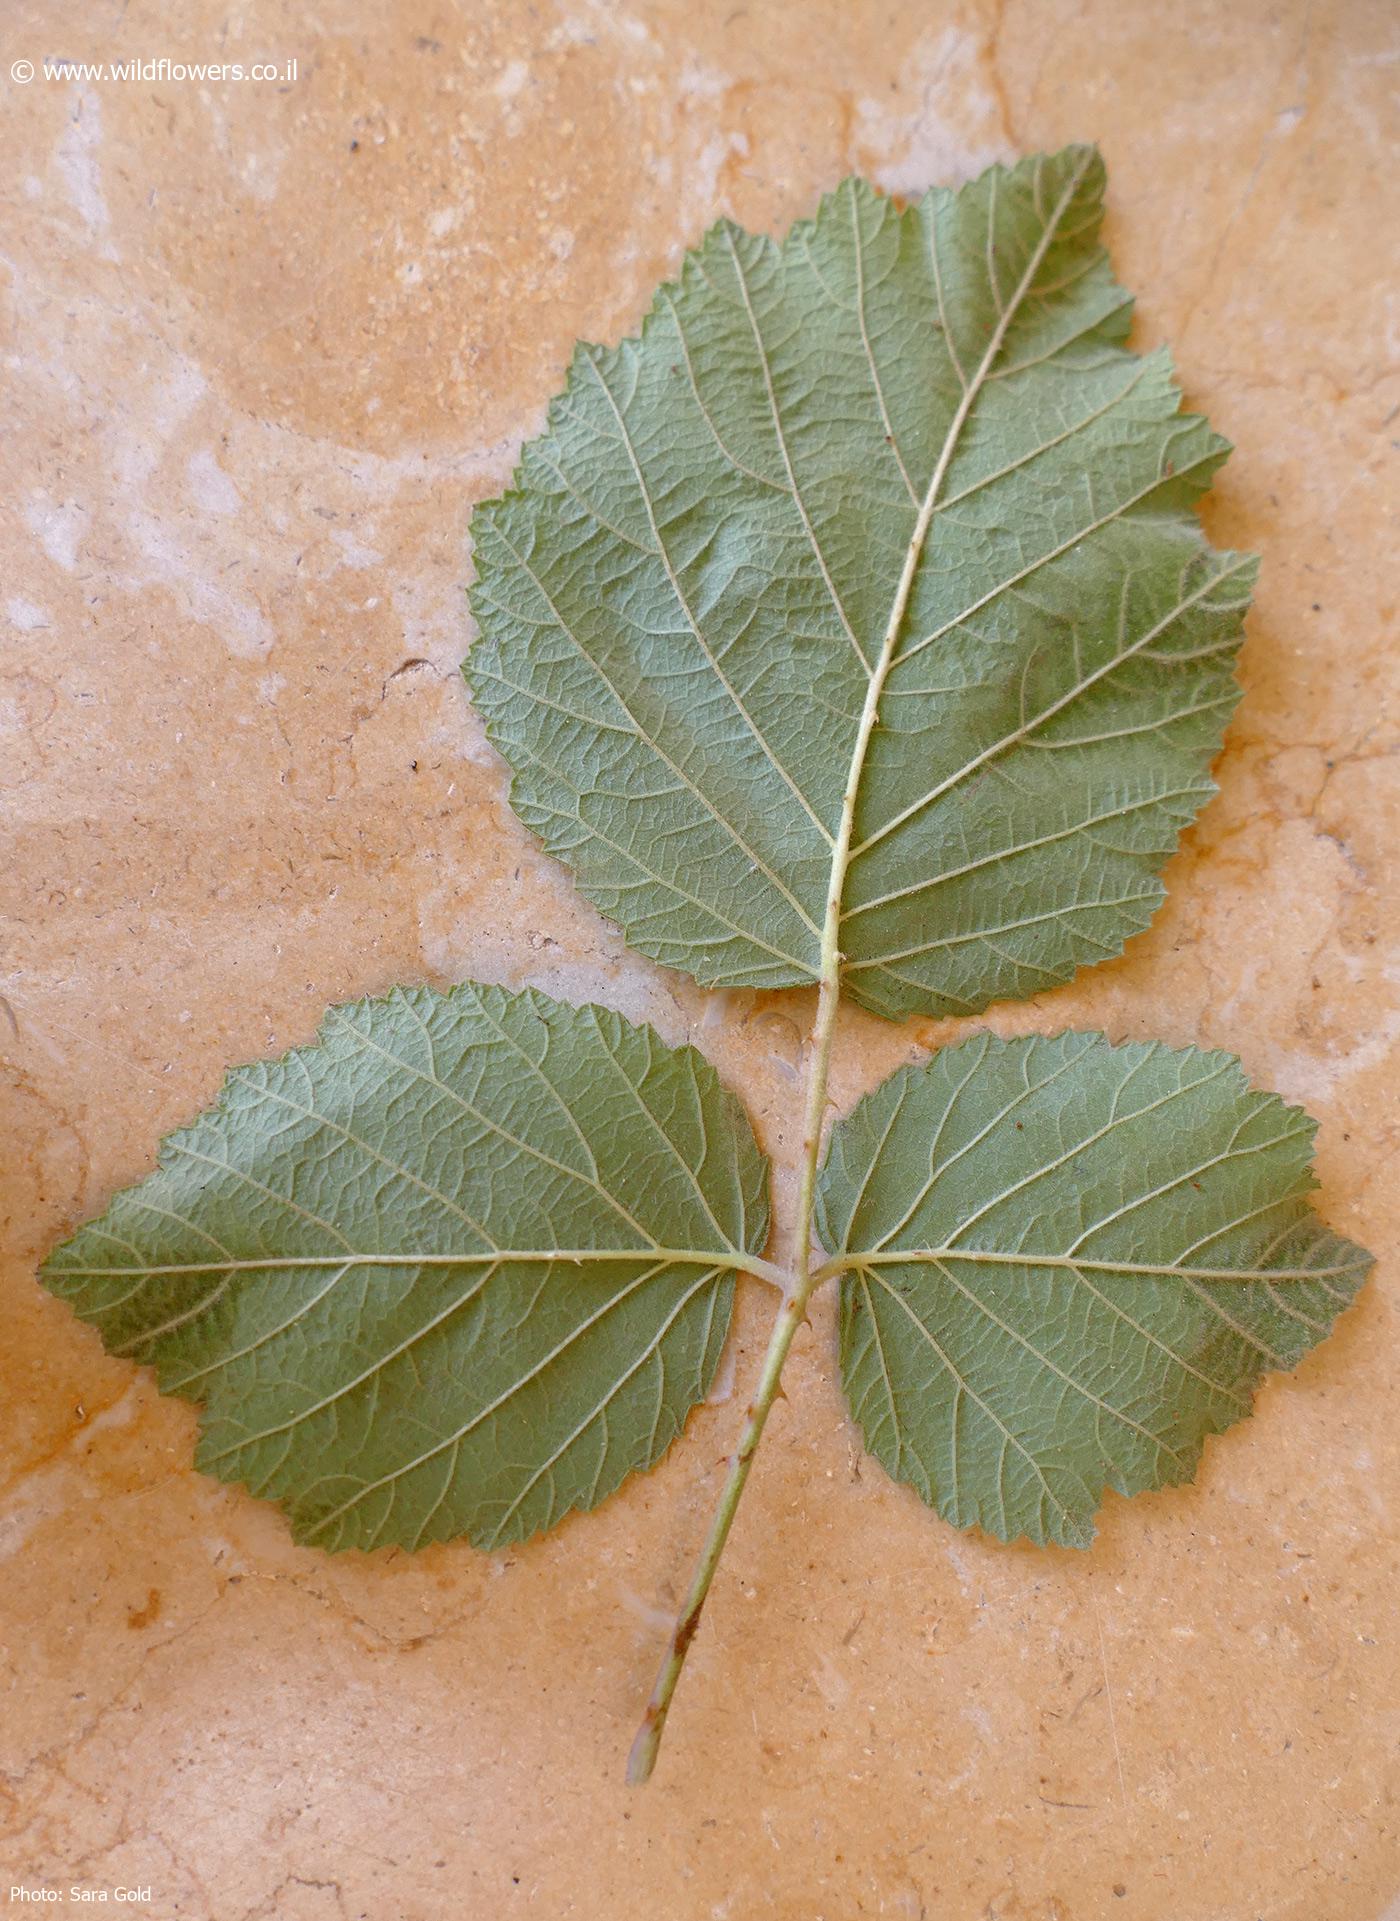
column 354, row 1262
column 701, row 577
column 1069, row 1263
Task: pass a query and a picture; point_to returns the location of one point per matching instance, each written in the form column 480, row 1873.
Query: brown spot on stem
column 685, row 1630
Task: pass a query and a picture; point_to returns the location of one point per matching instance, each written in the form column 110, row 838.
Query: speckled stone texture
column 264, row 346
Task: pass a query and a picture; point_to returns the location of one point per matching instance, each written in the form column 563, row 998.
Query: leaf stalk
column 806, row 1276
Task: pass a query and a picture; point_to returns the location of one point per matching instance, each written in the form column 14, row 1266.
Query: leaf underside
column 682, row 602
column 354, row 1262
column 884, row 508
column 1070, row 1263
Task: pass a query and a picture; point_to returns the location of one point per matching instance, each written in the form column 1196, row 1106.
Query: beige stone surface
column 264, row 346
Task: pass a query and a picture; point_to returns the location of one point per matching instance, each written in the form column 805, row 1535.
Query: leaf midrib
column 843, row 853
column 498, row 1256
column 997, row 1257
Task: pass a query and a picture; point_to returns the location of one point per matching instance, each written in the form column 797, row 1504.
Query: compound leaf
column 900, row 459
column 1069, row 1262
column 458, row 1268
